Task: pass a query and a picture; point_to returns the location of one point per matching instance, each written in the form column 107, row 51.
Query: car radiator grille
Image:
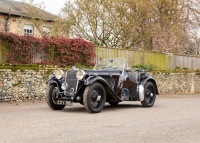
column 72, row 81
column 71, row 74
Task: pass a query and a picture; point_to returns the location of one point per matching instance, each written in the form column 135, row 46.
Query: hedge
column 53, row 50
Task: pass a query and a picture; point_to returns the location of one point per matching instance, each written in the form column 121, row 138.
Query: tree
column 103, row 22
column 40, row 18
column 156, row 25
column 192, row 18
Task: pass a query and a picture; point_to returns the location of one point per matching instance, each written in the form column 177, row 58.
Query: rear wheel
column 149, row 95
column 50, row 98
column 94, row 97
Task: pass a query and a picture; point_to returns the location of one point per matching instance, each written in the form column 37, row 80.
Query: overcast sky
column 52, row 6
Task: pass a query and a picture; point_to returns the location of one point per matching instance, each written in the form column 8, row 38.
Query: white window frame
column 28, row 29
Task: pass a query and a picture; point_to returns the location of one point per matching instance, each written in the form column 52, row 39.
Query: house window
column 28, row 29
column 46, row 30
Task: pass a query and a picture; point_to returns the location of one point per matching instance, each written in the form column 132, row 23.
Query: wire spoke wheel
column 51, row 98
column 94, row 98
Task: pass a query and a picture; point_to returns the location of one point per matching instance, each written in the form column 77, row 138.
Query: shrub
column 177, row 67
column 145, row 67
column 53, row 50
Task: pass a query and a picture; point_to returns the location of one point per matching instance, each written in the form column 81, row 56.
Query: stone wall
column 23, row 85
column 177, row 83
column 29, row 85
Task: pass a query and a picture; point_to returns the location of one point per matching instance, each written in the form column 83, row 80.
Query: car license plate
column 64, row 102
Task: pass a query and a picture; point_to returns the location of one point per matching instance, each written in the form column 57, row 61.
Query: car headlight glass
column 59, row 74
column 64, row 86
column 80, row 74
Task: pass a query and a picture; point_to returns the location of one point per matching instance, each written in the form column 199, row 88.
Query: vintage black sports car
column 109, row 81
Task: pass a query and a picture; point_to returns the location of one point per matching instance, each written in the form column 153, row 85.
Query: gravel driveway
column 173, row 119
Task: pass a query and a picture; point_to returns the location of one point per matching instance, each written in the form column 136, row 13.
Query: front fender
column 93, row 79
column 106, row 85
column 53, row 80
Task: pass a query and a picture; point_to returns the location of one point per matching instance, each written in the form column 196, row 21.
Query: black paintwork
column 119, row 85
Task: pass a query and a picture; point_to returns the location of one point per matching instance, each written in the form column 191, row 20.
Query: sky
column 52, row 6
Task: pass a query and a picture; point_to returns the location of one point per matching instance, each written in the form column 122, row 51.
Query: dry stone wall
column 30, row 85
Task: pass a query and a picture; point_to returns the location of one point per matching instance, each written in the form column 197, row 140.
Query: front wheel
column 94, row 97
column 50, row 98
column 149, row 95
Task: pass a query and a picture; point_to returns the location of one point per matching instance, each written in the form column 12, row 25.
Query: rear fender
column 90, row 80
column 149, row 79
column 140, row 88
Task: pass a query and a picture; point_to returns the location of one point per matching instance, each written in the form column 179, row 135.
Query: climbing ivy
column 53, row 50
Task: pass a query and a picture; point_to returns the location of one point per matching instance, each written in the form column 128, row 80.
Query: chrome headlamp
column 64, row 86
column 58, row 74
column 80, row 74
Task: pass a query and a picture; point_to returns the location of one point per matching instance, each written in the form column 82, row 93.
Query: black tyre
column 149, row 95
column 113, row 103
column 94, row 97
column 50, row 98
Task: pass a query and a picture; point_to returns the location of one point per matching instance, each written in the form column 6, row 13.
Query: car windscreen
column 112, row 63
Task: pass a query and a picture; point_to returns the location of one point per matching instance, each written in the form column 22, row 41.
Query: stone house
column 23, row 19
